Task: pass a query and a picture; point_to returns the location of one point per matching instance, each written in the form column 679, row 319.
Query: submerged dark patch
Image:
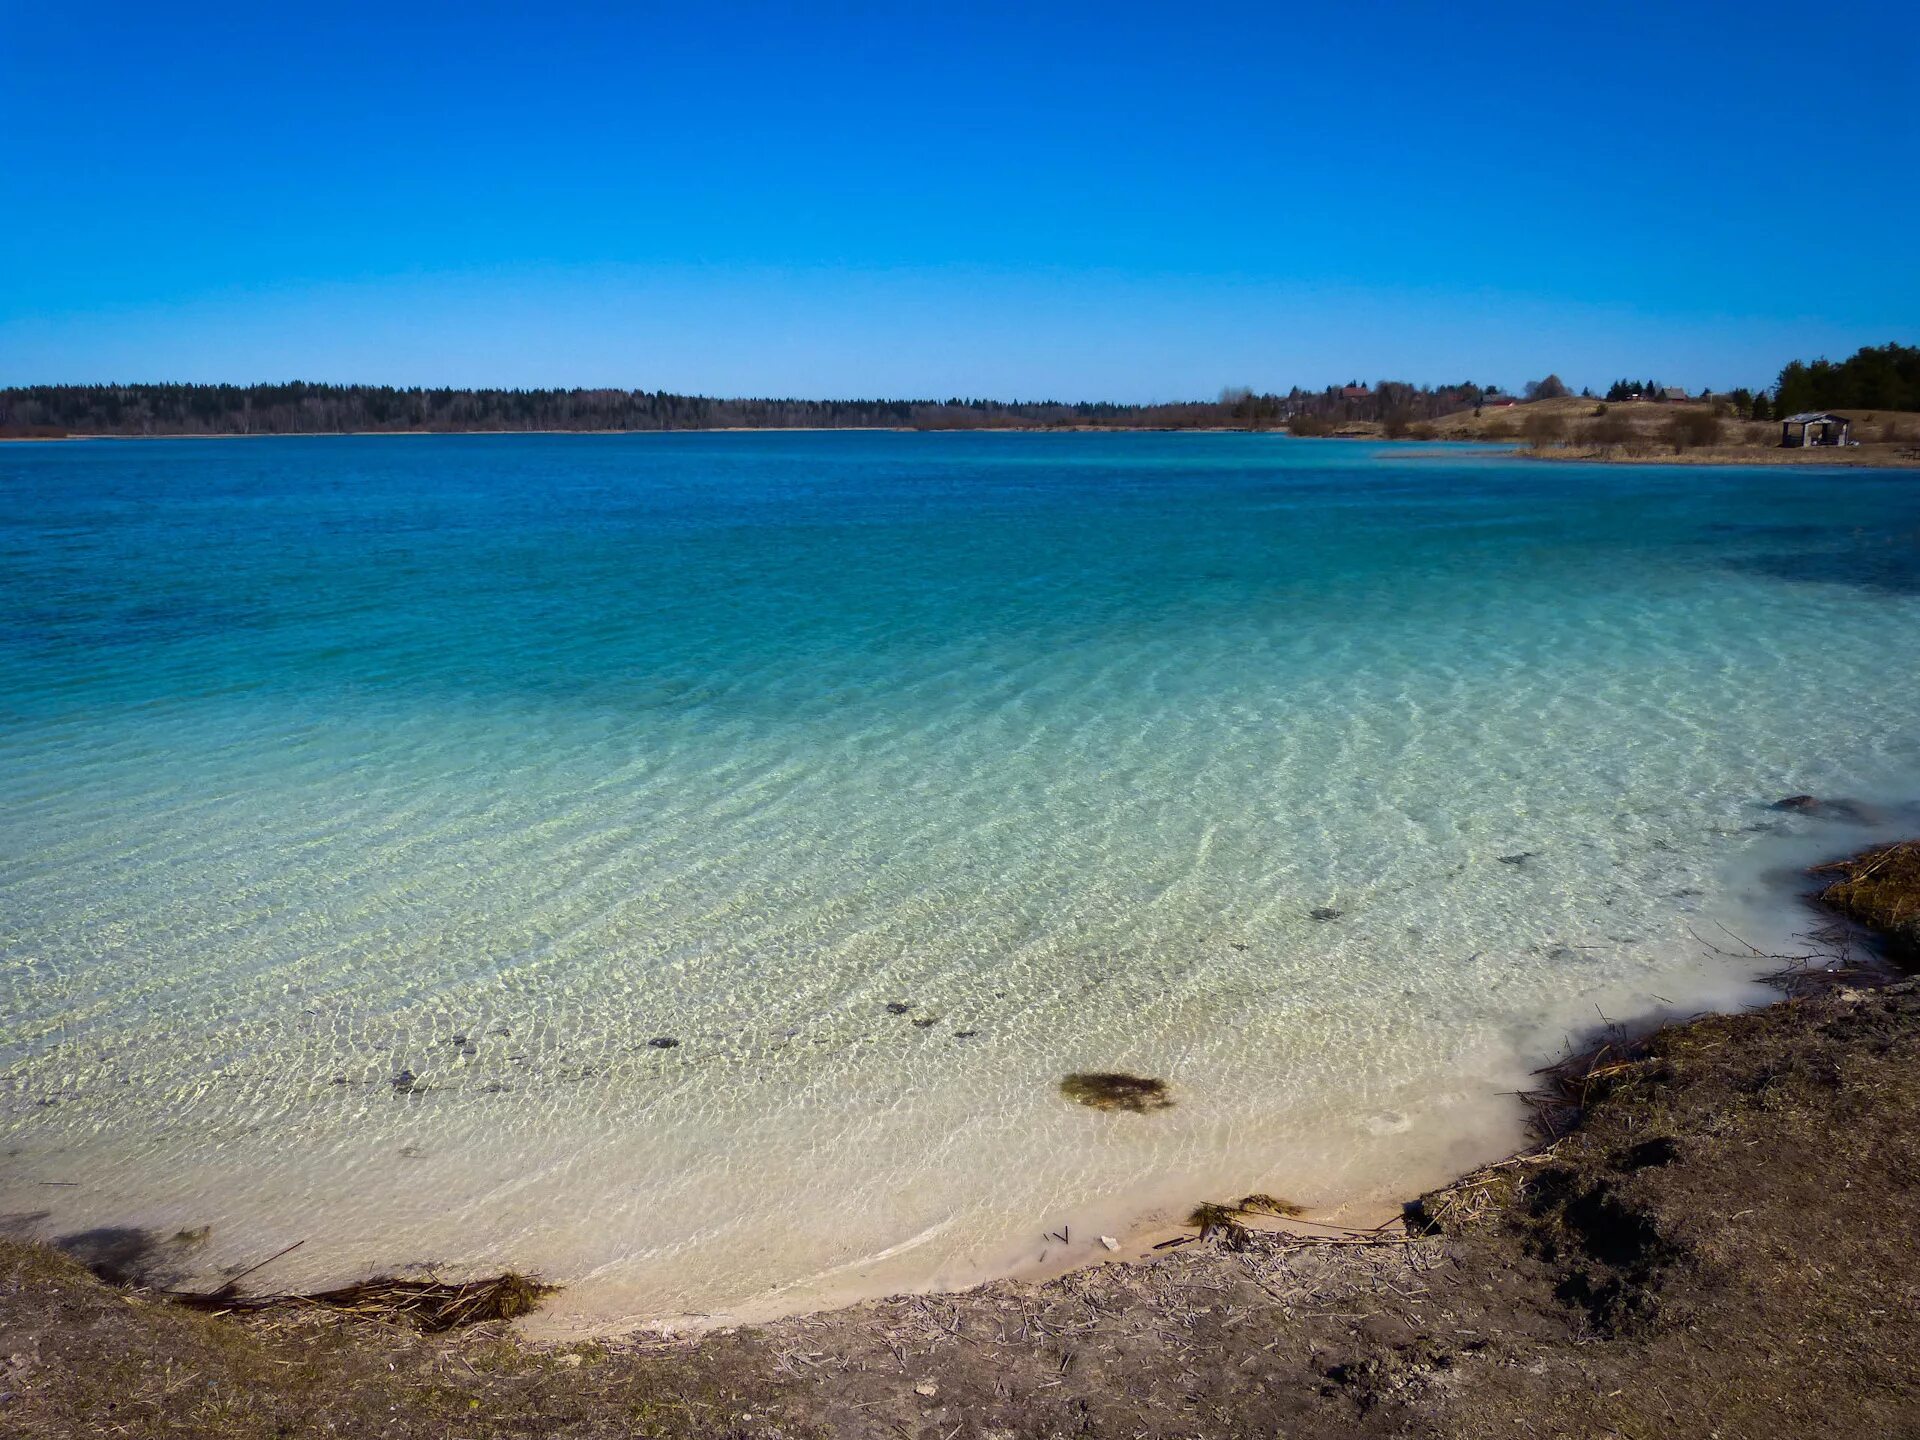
column 1887, row 564
column 1111, row 1090
column 133, row 1255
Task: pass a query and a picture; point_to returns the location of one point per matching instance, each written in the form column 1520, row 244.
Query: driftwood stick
column 234, row 1281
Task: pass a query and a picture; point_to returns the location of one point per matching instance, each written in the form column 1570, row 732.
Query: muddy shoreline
column 1727, row 1199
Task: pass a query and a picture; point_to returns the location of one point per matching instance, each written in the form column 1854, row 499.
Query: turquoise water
column 495, row 759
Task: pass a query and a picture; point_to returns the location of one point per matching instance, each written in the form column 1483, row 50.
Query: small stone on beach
column 1109, row 1242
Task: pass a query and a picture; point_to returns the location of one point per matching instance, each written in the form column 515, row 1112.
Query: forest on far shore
column 1883, row 377
column 302, row 408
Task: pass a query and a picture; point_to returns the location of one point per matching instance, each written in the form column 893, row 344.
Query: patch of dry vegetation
column 429, row 1305
column 1667, row 432
column 1880, row 889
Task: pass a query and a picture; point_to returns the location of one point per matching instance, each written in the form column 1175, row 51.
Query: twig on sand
column 1748, row 949
column 233, row 1281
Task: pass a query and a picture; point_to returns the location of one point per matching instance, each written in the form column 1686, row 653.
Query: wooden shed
column 1814, row 427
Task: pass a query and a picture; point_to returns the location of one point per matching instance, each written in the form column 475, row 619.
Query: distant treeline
column 301, row 408
column 1886, row 377
column 1400, row 408
column 1878, row 377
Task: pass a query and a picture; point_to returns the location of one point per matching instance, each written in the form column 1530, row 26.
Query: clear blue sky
column 1077, row 201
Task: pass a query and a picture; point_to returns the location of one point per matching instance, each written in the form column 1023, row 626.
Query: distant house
column 1814, row 427
column 1673, row 392
column 1355, row 392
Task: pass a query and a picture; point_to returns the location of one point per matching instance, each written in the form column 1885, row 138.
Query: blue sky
column 1117, row 201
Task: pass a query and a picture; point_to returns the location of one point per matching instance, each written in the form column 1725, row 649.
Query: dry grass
column 432, row 1306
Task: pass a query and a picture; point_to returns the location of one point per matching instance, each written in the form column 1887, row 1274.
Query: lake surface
column 494, row 760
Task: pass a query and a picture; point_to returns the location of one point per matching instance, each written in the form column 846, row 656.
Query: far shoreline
column 1854, row 457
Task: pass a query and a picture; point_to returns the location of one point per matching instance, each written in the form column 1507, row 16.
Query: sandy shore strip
column 1720, row 1241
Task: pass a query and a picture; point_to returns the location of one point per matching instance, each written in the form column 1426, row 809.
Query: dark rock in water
column 1238, row 945
column 1112, row 1090
column 965, row 1034
column 1849, row 812
column 468, row 1052
column 1520, row 859
column 926, row 1022
column 459, row 1039
column 406, row 1083
column 899, row 1007
column 1324, row 912
column 664, row 1042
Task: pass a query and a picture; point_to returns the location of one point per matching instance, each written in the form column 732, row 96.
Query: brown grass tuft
column 1880, row 888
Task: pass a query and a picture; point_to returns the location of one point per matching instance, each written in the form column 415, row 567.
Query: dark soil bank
column 1728, row 1245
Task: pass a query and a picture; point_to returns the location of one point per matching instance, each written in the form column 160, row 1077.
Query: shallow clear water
column 494, row 759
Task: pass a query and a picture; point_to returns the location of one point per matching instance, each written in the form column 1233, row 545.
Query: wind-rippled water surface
column 494, row 761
